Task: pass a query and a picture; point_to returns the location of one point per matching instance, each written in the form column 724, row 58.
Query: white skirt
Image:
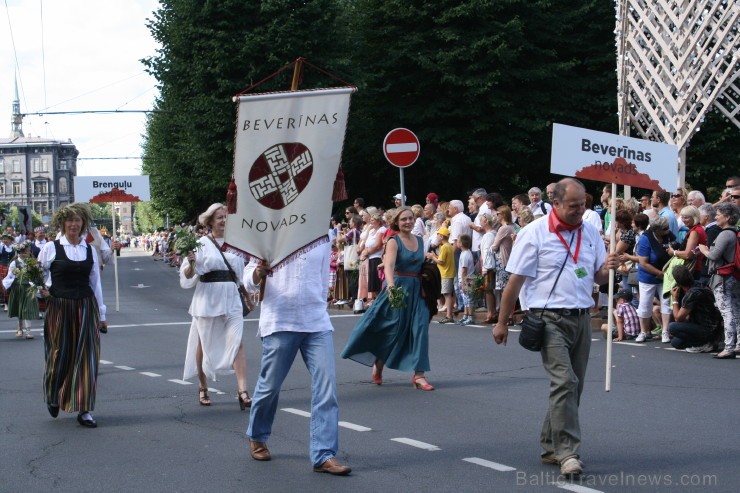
column 220, row 338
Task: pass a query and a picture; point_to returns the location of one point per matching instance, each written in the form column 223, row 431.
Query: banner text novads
column 263, row 226
column 617, row 479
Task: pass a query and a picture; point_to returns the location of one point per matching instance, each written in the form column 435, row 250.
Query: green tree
column 211, row 51
column 146, row 219
column 480, row 82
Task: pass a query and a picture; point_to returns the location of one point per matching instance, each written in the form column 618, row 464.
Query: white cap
column 399, row 197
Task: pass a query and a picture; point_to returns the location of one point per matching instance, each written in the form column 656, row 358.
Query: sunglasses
column 676, row 195
column 735, row 197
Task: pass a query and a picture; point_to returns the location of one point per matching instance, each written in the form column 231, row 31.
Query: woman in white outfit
column 215, row 341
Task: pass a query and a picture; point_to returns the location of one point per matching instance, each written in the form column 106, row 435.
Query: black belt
column 217, row 276
column 566, row 312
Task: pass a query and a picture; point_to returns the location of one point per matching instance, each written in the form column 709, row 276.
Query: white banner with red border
column 287, row 151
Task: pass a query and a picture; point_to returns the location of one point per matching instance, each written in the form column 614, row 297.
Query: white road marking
column 181, row 382
column 631, row 344
column 577, row 488
column 296, row 411
column 344, row 424
column 594, row 340
column 216, row 391
column 489, row 464
column 353, row 426
column 150, row 374
column 122, row 367
column 416, row 443
column 104, row 362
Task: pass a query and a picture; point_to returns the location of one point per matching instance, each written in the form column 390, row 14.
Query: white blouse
column 8, row 281
column 295, row 294
column 75, row 253
column 212, row 299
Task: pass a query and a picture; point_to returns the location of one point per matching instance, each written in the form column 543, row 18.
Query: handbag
column 247, row 305
column 351, row 260
column 632, row 276
column 533, row 327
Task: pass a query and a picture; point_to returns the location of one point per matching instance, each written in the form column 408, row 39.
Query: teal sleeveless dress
column 397, row 336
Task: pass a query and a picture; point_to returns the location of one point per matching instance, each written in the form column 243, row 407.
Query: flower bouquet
column 32, row 273
column 475, row 287
column 397, row 296
column 186, row 241
column 19, row 247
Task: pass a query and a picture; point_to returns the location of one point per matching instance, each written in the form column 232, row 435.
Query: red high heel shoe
column 421, row 386
column 377, row 376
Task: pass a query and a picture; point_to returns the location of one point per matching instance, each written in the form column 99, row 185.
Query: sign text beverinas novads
column 621, row 152
column 112, row 184
column 263, row 226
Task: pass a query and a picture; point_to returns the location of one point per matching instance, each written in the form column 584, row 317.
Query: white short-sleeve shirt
column 538, row 254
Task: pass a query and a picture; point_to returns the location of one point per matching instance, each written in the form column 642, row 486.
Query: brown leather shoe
column 259, row 450
column 333, row 467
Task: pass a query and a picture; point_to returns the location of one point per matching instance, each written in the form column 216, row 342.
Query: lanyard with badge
column 580, row 272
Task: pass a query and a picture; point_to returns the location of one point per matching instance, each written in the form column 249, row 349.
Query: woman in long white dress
column 215, row 341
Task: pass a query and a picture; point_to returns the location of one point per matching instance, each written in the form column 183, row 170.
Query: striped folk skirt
column 22, row 304
column 3, row 292
column 72, row 349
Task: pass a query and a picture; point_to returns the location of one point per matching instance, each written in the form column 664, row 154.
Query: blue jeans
column 278, row 352
column 688, row 334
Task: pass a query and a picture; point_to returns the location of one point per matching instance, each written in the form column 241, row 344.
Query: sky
column 80, row 55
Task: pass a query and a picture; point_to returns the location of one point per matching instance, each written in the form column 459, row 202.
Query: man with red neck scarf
column 559, row 240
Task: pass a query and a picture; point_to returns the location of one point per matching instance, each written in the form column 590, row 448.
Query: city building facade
column 36, row 171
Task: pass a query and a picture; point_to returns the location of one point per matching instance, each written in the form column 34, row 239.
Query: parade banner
column 600, row 156
column 99, row 189
column 288, row 147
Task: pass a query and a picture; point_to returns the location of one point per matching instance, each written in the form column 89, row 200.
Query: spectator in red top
column 433, row 199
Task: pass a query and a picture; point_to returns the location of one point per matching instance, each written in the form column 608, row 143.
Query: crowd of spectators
column 655, row 233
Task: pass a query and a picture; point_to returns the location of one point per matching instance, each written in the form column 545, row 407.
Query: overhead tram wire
column 15, row 52
column 86, row 112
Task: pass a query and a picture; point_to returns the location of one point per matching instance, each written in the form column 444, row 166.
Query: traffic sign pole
column 403, row 188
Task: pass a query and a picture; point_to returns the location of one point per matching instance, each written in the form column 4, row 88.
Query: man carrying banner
column 294, row 318
column 288, row 148
column 560, row 241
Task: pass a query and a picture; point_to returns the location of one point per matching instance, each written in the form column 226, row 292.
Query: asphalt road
column 669, row 423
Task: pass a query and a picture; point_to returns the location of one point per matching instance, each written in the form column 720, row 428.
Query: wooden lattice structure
column 677, row 59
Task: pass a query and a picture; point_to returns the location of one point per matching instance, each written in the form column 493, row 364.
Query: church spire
column 16, row 129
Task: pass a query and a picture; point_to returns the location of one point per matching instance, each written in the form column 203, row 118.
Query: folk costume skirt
column 21, row 304
column 72, row 349
column 3, row 292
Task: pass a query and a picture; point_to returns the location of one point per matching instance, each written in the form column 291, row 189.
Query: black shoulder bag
column 247, row 305
column 533, row 327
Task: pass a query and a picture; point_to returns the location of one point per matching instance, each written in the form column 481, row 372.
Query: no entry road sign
column 401, row 147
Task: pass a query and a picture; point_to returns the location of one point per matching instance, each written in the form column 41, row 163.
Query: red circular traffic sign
column 401, row 147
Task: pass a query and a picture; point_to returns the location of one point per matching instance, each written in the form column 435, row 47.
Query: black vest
column 70, row 279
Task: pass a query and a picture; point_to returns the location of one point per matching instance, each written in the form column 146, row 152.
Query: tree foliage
column 481, row 83
column 146, row 220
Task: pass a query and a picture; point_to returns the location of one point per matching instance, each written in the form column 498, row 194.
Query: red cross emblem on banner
column 280, row 174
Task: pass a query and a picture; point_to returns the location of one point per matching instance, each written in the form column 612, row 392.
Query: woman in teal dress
column 396, row 337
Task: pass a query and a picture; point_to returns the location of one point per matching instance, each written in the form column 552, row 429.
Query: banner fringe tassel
column 231, row 198
column 304, row 249
column 340, row 190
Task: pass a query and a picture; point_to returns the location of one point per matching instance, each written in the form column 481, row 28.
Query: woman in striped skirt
column 75, row 313
column 7, row 253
